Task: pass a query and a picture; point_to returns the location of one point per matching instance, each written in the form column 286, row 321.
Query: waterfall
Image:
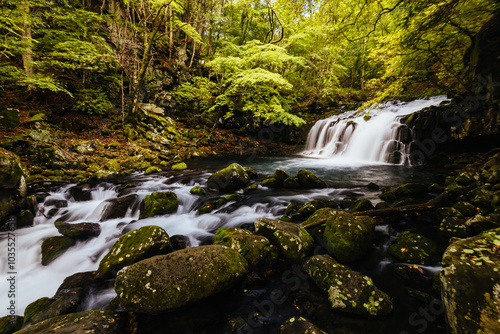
column 381, row 138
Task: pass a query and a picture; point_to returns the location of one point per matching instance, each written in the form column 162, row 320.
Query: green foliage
column 92, row 102
column 197, row 94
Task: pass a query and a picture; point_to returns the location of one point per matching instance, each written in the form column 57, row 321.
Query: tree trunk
column 26, row 38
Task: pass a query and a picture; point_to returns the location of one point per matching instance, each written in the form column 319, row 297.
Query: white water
column 349, row 139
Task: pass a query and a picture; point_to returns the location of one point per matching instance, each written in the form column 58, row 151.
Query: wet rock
column 320, row 215
column 196, row 190
column 152, row 169
column 466, row 178
column 251, row 188
column 36, row 307
column 271, row 182
column 231, row 178
column 361, row 205
column 66, row 304
column 252, row 174
column 54, row 247
column 297, row 325
column 11, row 170
column 481, row 197
column 98, row 322
column 167, row 282
column 179, row 242
column 291, row 183
column 413, row 248
column 159, row 203
column 10, row 324
column 117, row 207
column 179, row 166
column 308, row 180
column 446, row 212
column 292, row 239
column 257, row 250
column 81, row 193
column 79, row 230
column 132, row 247
column 382, row 205
column 208, row 207
column 372, row 186
column 480, row 223
column 280, row 176
column 455, row 227
column 348, row 290
column 76, row 281
column 312, row 206
column 470, row 284
column 24, row 219
column 58, row 203
column 348, row 237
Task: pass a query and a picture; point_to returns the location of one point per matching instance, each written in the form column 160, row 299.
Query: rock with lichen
column 168, row 282
column 348, row 291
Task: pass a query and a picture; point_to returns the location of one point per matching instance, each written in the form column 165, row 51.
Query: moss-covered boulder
column 471, row 284
column 117, row 207
column 79, row 230
column 251, row 188
column 36, row 307
column 159, row 203
column 179, row 166
column 404, row 190
column 132, row 247
column 297, row 325
column 308, row 180
column 348, row 237
column 10, row 324
column 348, row 291
column 292, row 239
column 167, row 282
column 231, row 178
column 196, row 190
column 270, row 182
column 466, row 208
column 83, row 280
column 318, row 218
column 280, row 176
column 361, row 205
column 291, row 183
column 481, row 198
column 256, row 249
column 54, row 247
column 67, row 303
column 455, row 227
column 11, row 171
column 413, row 248
column 97, row 321
column 314, row 205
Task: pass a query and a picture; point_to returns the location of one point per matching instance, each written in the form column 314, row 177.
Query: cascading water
column 382, row 138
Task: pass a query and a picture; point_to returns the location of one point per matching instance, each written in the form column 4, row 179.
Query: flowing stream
column 346, row 167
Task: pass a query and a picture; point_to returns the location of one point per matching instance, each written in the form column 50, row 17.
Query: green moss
column 152, row 169
column 10, row 324
column 54, row 247
column 159, row 203
column 36, row 307
column 413, row 248
column 196, row 190
column 179, row 166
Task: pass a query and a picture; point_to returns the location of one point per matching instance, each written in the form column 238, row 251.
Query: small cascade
column 380, row 139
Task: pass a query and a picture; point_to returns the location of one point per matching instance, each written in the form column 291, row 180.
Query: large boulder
column 66, row 304
column 167, row 282
column 413, row 248
column 348, row 290
column 292, row 239
column 97, row 321
column 308, row 180
column 36, row 307
column 318, row 218
column 117, row 207
column 132, row 247
column 256, row 249
column 159, row 203
column 348, row 237
column 10, row 324
column 404, row 190
column 231, row 178
column 79, row 230
column 470, row 284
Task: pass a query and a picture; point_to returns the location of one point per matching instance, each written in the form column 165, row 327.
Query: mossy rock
column 9, row 118
column 257, row 250
column 97, row 321
column 231, row 178
column 208, row 207
column 348, row 237
column 196, row 190
column 54, row 247
column 296, row 325
column 280, row 176
column 132, row 247
column 404, row 190
column 446, row 212
column 320, row 215
column 481, row 223
column 270, row 182
column 312, row 206
column 292, row 239
column 152, row 169
column 159, row 203
column 179, row 166
column 67, row 303
column 252, row 174
column 361, row 205
column 413, row 248
column 455, row 227
column 481, row 197
column 25, row 218
column 36, row 307
column 348, row 290
column 11, row 170
column 168, row 282
column 10, row 324
column 470, row 284
column 291, row 183
column 78, row 230
column 251, row 188
column 466, row 209
column 308, row 180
